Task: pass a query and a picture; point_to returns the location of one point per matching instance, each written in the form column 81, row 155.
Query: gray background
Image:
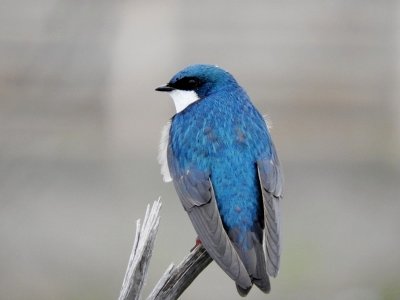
column 80, row 125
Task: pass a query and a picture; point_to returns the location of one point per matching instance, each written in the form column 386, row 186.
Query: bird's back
column 224, row 137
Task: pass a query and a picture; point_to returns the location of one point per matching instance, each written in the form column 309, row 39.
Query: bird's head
column 196, row 82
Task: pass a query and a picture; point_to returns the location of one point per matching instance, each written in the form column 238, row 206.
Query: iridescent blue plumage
column 215, row 148
column 224, row 136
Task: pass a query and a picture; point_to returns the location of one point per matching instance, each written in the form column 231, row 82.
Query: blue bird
column 219, row 154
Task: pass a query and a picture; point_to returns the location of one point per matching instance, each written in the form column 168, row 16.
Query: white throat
column 183, row 99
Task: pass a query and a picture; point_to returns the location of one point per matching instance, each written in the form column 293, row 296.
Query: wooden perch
column 175, row 279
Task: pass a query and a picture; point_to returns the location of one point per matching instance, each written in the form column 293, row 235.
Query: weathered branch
column 175, row 280
column 141, row 253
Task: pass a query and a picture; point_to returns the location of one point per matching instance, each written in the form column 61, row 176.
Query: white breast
column 162, row 153
column 183, row 99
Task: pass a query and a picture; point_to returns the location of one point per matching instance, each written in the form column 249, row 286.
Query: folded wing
column 271, row 180
column 197, row 196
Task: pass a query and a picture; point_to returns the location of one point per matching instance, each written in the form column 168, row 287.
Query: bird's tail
column 251, row 252
column 243, row 292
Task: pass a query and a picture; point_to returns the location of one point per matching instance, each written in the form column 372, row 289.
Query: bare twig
column 176, row 279
column 141, row 253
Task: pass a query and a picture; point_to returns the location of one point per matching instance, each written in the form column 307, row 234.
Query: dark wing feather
column 271, row 180
column 260, row 277
column 195, row 191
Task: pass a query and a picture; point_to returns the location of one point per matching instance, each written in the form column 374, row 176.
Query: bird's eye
column 192, row 82
column 187, row 83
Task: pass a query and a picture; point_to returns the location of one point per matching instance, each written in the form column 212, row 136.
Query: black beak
column 164, row 88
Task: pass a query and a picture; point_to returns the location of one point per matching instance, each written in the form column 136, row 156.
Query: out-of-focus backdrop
column 80, row 125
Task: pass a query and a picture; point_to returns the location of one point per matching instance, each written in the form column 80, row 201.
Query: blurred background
column 80, row 126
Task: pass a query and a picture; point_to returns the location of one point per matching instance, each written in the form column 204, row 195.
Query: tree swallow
column 218, row 152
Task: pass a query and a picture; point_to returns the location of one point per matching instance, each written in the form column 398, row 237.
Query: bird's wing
column 271, row 180
column 196, row 193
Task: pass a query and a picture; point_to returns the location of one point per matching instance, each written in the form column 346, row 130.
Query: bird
column 218, row 152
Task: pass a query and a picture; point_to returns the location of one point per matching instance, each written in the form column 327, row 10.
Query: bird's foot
column 198, row 242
